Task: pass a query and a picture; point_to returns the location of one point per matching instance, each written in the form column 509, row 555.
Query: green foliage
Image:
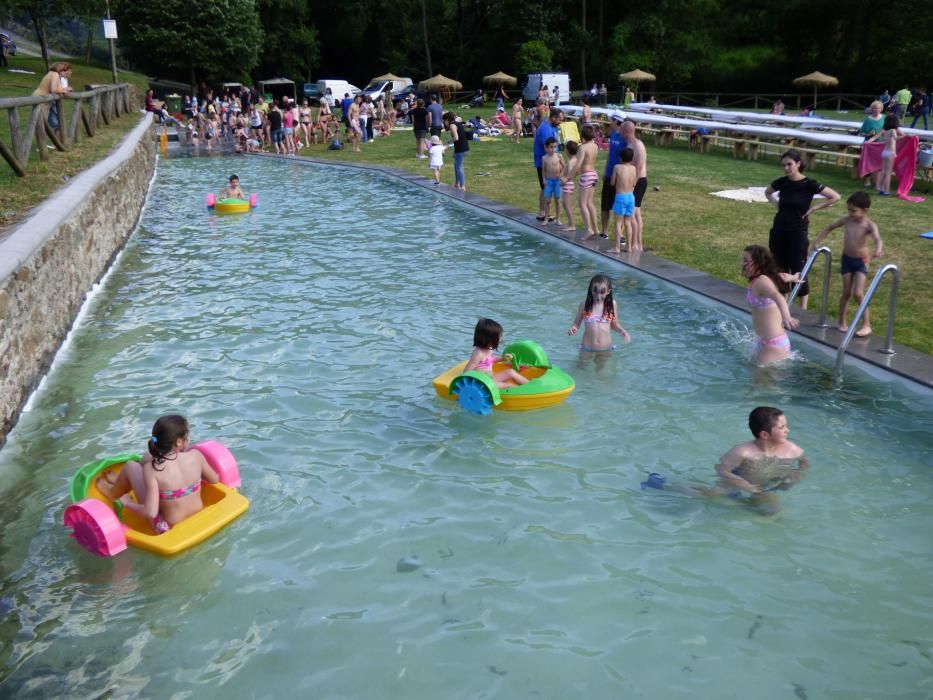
column 533, row 57
column 210, row 40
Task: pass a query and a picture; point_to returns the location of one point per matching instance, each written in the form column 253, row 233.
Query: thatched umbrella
column 442, row 84
column 383, row 78
column 637, row 76
column 440, row 81
column 500, row 78
column 817, row 80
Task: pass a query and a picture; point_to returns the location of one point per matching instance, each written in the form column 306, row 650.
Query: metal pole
column 113, row 52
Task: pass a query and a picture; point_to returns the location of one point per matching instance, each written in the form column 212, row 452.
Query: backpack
column 335, row 145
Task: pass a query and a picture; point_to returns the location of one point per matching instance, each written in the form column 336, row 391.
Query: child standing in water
column 859, row 229
column 567, row 185
column 599, row 315
column 486, row 339
column 757, row 468
column 770, row 314
column 167, row 483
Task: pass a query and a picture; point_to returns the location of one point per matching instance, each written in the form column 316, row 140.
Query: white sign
column 110, row 29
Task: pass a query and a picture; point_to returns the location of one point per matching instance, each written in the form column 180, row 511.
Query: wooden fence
column 101, row 104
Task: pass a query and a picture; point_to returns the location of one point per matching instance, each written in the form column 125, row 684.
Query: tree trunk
column 460, row 23
column 583, row 47
column 602, row 53
column 192, row 78
column 89, row 47
column 38, row 21
column 424, row 27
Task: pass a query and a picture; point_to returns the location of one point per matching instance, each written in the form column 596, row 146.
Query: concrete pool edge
column 906, row 363
column 51, row 260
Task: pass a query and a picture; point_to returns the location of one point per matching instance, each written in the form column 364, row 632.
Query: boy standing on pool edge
column 854, row 267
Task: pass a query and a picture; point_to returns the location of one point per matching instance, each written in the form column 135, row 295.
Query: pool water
column 305, row 335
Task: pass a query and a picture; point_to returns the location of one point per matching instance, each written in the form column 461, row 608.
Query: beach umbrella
column 383, row 78
column 637, row 76
column 817, row 80
column 440, row 81
column 500, row 78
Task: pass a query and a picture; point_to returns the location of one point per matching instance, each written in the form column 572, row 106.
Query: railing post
column 888, row 348
column 827, row 270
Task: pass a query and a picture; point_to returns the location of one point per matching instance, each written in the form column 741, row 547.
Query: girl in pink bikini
column 599, row 315
column 770, row 314
column 167, row 483
column 486, row 339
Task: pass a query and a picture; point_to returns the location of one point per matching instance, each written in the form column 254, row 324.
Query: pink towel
column 905, row 163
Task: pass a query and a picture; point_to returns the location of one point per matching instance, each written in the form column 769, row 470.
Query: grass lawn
column 19, row 194
column 685, row 224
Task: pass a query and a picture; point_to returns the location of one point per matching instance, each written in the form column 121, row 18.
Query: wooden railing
column 88, row 110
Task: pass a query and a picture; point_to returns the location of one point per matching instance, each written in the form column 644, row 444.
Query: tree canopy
column 700, row 45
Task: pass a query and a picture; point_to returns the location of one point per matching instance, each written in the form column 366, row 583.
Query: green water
column 305, row 336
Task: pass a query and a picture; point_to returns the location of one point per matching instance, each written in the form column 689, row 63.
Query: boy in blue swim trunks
column 624, row 177
column 552, row 167
column 859, row 229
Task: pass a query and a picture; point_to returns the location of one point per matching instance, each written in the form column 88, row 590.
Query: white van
column 536, row 80
column 377, row 87
column 338, row 88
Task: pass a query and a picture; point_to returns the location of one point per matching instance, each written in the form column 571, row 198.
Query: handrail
column 888, row 349
column 824, row 303
column 89, row 108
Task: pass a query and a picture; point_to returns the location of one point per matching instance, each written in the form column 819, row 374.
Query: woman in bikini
column 586, row 156
column 167, row 483
column 304, row 121
column 770, row 313
column 599, row 315
column 517, row 120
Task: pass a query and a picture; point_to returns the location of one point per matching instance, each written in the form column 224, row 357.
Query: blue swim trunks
column 624, row 204
column 552, row 187
column 853, row 265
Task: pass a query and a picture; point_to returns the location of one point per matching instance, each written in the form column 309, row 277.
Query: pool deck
column 907, row 363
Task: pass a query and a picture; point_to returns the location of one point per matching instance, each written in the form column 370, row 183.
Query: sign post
column 110, row 33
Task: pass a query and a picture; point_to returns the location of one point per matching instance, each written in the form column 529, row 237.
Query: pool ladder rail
column 888, row 348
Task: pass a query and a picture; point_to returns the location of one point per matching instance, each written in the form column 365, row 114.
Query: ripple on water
column 306, row 339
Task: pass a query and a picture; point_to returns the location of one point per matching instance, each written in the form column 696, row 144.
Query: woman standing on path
column 789, row 239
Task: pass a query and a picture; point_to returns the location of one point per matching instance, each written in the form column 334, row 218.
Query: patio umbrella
column 500, row 78
column 637, row 76
column 440, row 81
column 383, row 78
column 817, row 80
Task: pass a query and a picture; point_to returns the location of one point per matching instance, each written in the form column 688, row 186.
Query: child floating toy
column 231, row 206
column 478, row 393
column 101, row 530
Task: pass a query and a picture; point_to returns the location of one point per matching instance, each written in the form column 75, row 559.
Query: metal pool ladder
column 824, row 302
column 872, row 288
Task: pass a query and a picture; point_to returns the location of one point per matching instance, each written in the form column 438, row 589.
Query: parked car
column 378, row 87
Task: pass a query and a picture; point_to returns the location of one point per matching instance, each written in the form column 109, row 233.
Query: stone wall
column 49, row 263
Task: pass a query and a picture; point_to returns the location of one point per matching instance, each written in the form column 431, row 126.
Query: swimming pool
column 306, row 341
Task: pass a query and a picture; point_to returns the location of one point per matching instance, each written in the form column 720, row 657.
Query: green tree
column 533, row 57
column 211, row 40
